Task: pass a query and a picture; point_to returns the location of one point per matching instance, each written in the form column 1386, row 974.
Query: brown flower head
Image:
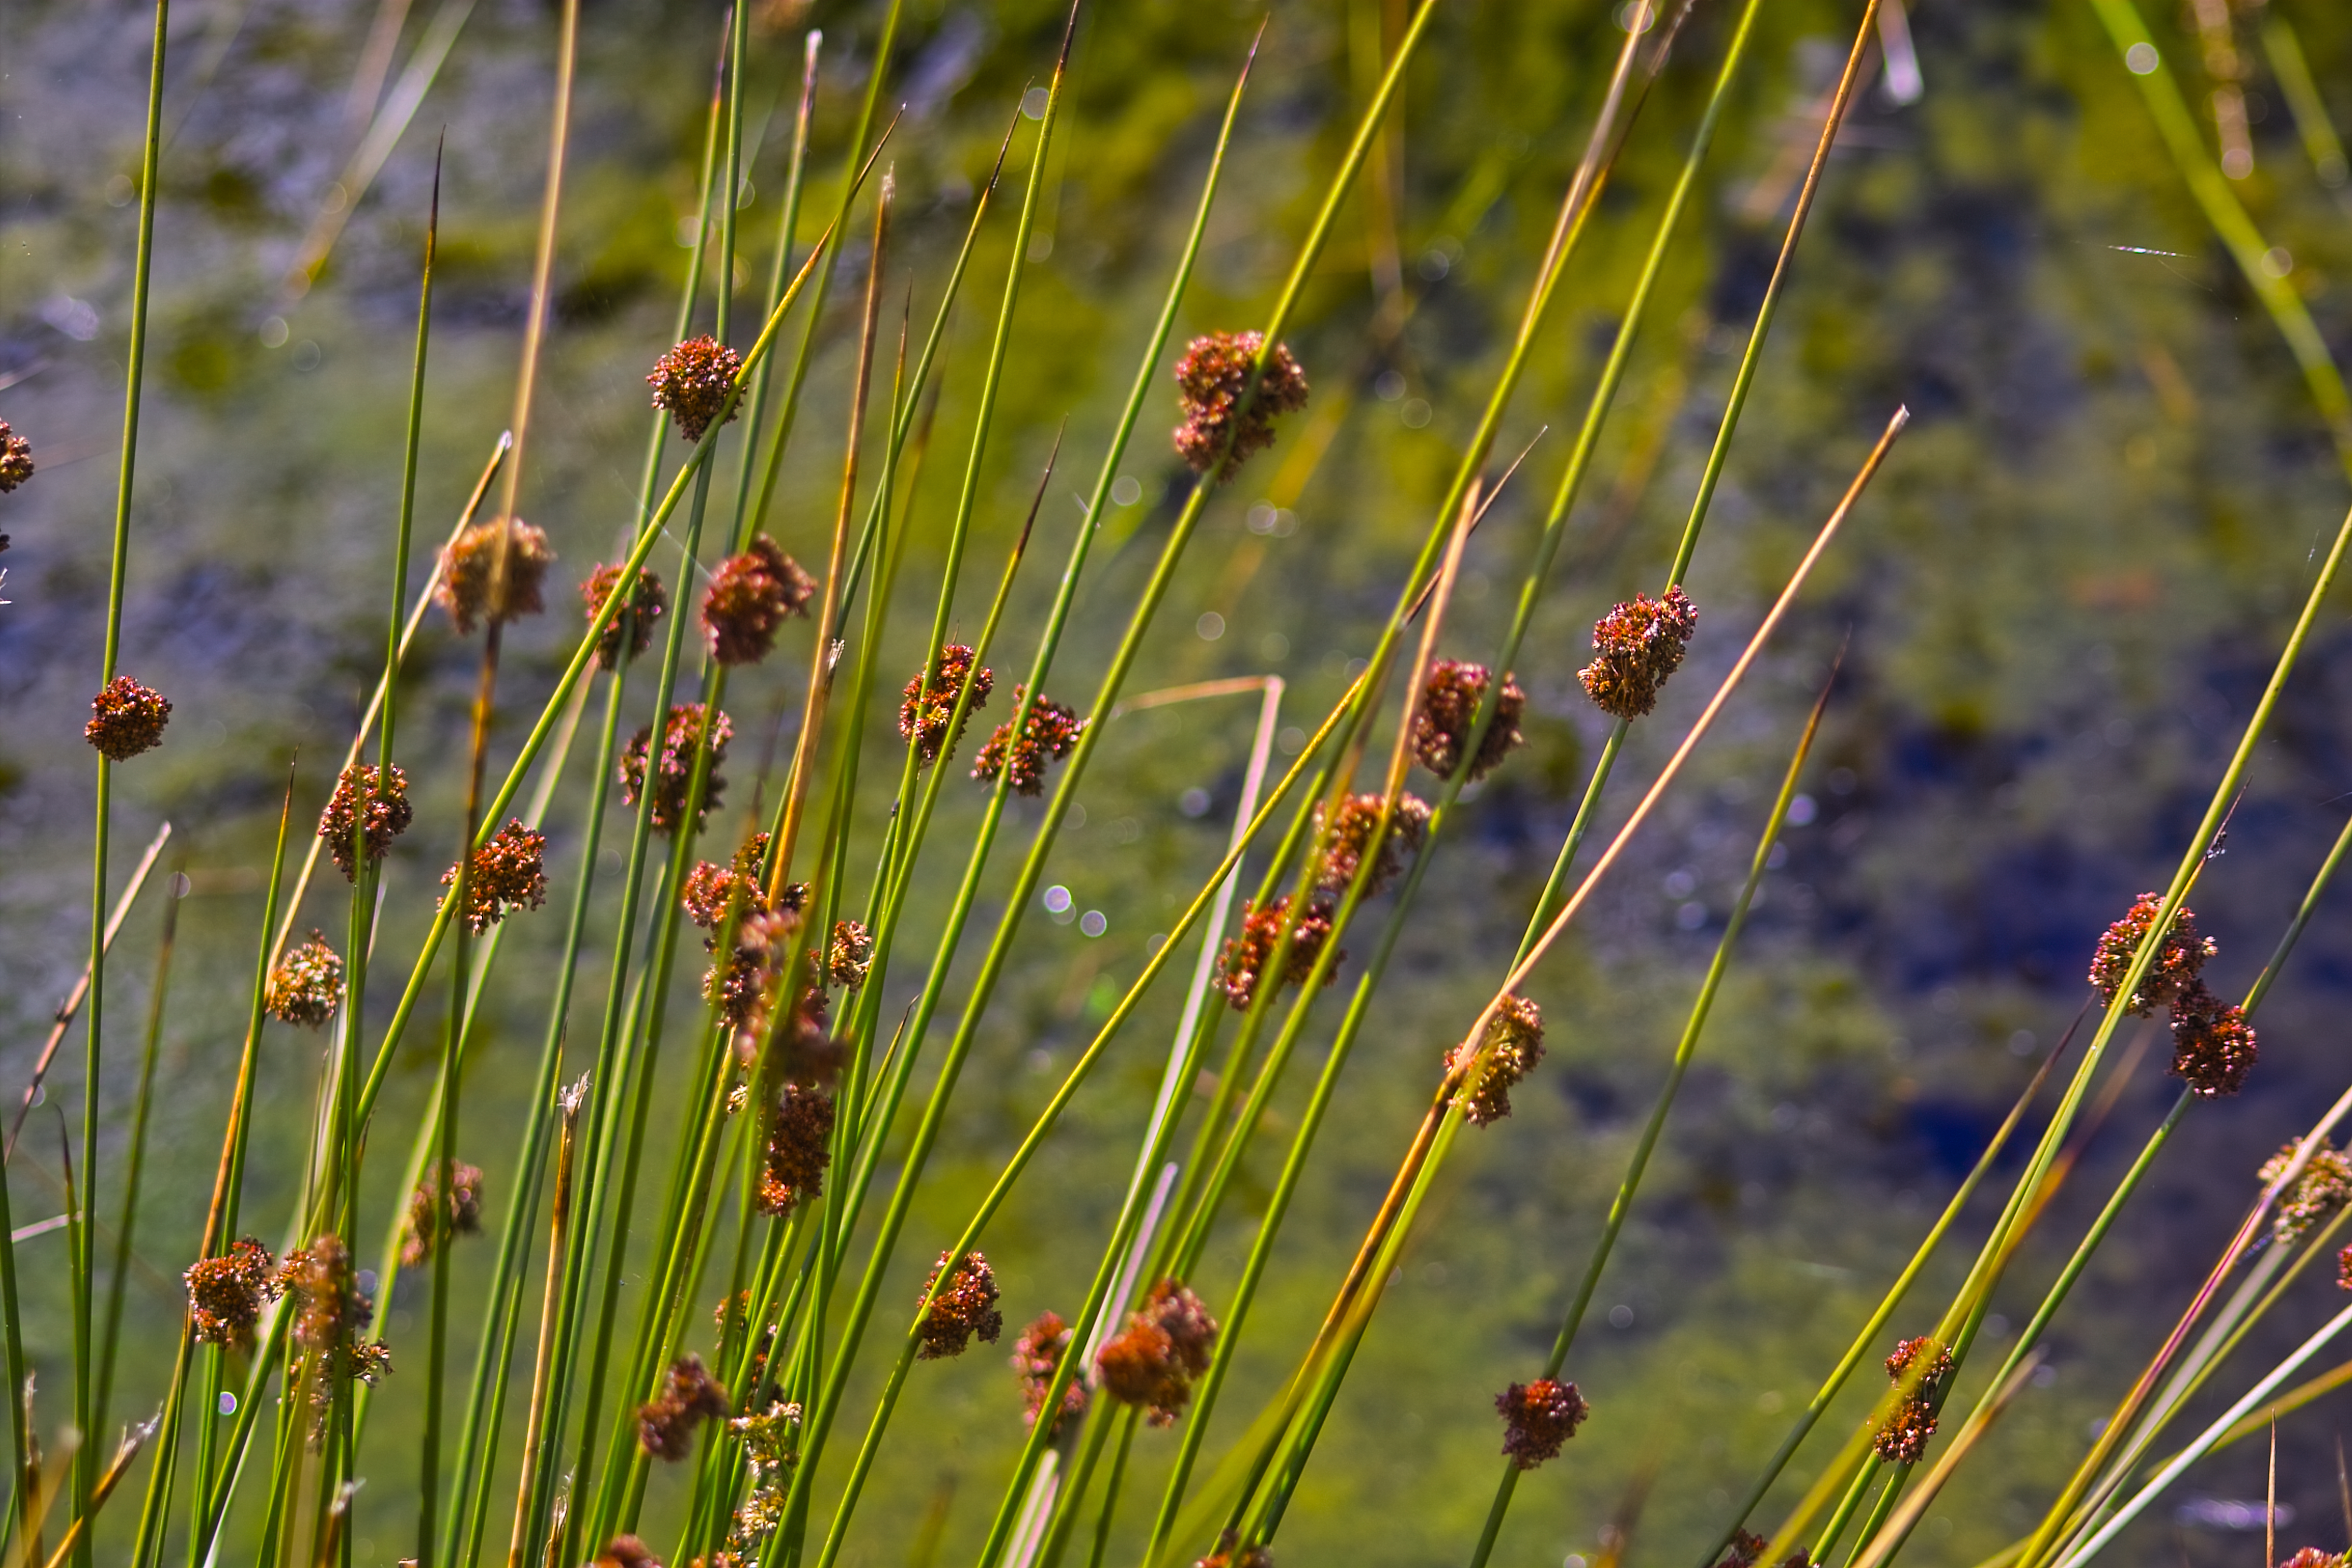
column 226, row 1294
column 1639, row 643
column 1538, row 1418
column 927, row 706
column 631, row 630
column 1745, row 1549
column 965, row 1306
column 1050, row 734
column 2213, row 1046
column 2178, row 958
column 1347, row 841
column 1231, row 1553
column 1035, row 1354
column 2324, row 1187
column 463, row 587
column 126, row 718
column 1904, row 1438
column 1509, row 1051
column 387, row 815
column 331, row 1310
column 2312, row 1557
column 1449, row 702
column 748, row 599
column 431, row 1217
column 1151, row 1363
column 1246, row 955
column 799, row 1148
column 509, row 873
column 690, row 1395
column 16, row 458
column 675, row 773
column 1209, row 381
column 626, row 1552
column 692, row 383
column 713, row 892
column 849, row 955
column 306, row 985
column 745, row 983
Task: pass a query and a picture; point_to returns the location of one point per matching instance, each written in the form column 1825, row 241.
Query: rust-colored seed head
column 126, row 718
column 690, row 1395
column 1509, row 1050
column 430, row 1219
column 307, row 986
column 692, row 382
column 1902, row 1441
column 2312, row 1557
column 1035, row 1354
column 675, row 773
column 509, row 873
column 2324, row 1187
column 2344, row 1267
column 1209, row 381
column 712, row 892
column 2213, row 1046
column 1051, row 733
column 1231, row 1553
column 1151, row 1363
column 1746, row 1549
column 463, row 587
column 800, row 1147
column 965, row 1306
column 849, row 955
column 632, row 627
column 745, row 981
column 1449, row 703
column 1246, row 955
column 748, row 599
column 225, row 1294
column 1538, row 1418
column 2178, row 958
column 626, row 1552
column 1638, row 645
column 331, row 1308
column 16, row 458
column 1347, row 841
column 387, row 815
column 927, row 707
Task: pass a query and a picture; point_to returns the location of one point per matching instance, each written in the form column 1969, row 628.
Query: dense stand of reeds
column 811, row 1115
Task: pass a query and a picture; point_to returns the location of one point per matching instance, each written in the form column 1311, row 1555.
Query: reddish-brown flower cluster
column 1744, row 1551
column 463, row 585
column 1509, row 1051
column 927, row 706
column 1904, row 1438
column 1347, row 841
column 849, row 955
column 430, row 1217
column 799, row 1148
column 1246, row 955
column 1050, row 734
column 126, row 718
column 16, row 458
column 965, row 1306
column 1231, row 1553
column 753, row 968
column 748, row 599
column 692, row 383
column 1538, row 1418
column 2213, row 1046
column 712, row 892
column 1218, row 431
column 330, row 1314
column 1151, row 1363
column 626, row 1552
column 1639, row 643
column 509, row 873
column 2312, row 1557
column 2323, row 1186
column 690, row 1397
column 631, row 630
column 675, row 771
column 2169, row 974
column 1035, row 1354
column 226, row 1294
column 1449, row 703
column 306, row 986
column 386, row 815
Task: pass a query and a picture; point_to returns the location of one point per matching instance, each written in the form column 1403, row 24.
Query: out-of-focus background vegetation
column 2062, row 598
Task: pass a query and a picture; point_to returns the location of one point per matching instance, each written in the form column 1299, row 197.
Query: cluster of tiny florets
column 2213, row 1046
column 1538, row 1418
column 306, row 985
column 432, row 1216
column 2178, row 958
column 1050, row 733
column 1449, row 703
column 626, row 1552
column 1347, row 840
column 799, row 1148
column 1246, row 955
column 848, row 954
column 674, row 774
column 1231, row 1553
column 126, row 718
column 1218, row 432
column 2323, row 1185
column 690, row 1397
column 356, row 799
column 965, row 1306
column 16, row 458
column 713, row 892
column 692, row 383
column 1505, row 1053
column 467, row 566
column 927, row 706
column 509, row 873
column 1151, row 1363
column 226, row 1294
column 1744, row 1550
column 331, row 1311
column 1638, row 645
column 1035, row 1354
column 2312, row 1557
column 631, row 630
column 1904, row 1437
column 748, row 597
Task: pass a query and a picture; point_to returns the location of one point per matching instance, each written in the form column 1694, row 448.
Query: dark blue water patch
column 1950, row 1135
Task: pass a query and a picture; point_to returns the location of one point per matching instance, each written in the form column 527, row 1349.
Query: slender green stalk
column 788, row 216
column 118, row 1276
column 2293, row 71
